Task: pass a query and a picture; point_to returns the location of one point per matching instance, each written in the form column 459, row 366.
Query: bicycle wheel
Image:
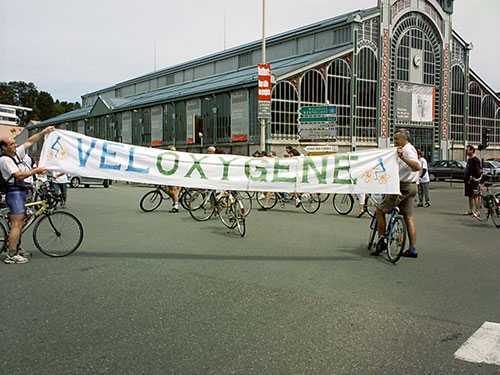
column 396, row 239
column 495, row 216
column 151, row 201
column 371, row 203
column 226, row 212
column 310, row 202
column 246, row 200
column 58, row 234
column 267, row 200
column 323, row 197
column 193, row 199
column 343, row 203
column 240, row 218
column 205, row 210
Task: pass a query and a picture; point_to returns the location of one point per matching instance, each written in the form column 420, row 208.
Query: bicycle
column 56, row 233
column 153, row 199
column 395, row 233
column 344, row 203
column 228, row 206
column 309, row 202
column 490, row 205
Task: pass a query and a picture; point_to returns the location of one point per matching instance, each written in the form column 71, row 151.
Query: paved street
column 161, row 294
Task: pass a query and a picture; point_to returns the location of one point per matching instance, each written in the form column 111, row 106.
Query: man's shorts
column 404, row 201
column 16, row 201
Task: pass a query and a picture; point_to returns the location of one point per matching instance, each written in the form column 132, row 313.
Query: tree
column 45, row 106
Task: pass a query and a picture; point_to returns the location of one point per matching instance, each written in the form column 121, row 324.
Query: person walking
column 14, row 173
column 472, row 177
column 423, row 182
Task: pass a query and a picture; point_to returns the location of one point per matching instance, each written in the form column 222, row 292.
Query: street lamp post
column 214, row 111
column 263, row 120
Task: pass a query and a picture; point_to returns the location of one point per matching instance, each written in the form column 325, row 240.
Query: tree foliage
column 26, row 94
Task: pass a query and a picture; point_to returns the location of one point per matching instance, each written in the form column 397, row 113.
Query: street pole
column 263, row 121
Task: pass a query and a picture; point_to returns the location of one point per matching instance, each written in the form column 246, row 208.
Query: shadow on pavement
column 108, row 254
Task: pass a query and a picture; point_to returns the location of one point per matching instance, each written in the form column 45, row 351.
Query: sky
column 70, row 48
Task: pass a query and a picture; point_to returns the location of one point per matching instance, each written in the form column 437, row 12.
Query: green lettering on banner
column 309, row 164
column 282, row 167
column 339, row 168
column 263, row 171
column 196, row 166
column 226, row 164
column 162, row 170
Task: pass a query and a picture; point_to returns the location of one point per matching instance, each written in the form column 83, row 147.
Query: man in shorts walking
column 409, row 166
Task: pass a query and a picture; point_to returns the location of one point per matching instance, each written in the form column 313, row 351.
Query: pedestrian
column 292, row 151
column 14, row 172
column 423, row 182
column 61, row 186
column 211, row 150
column 472, row 177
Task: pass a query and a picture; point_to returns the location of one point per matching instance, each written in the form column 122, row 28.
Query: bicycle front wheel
column 323, row 197
column 245, row 199
column 240, row 218
column 267, row 200
column 205, row 209
column 151, row 201
column 310, row 202
column 58, row 234
column 396, row 239
column 343, row 203
column 495, row 216
column 3, row 237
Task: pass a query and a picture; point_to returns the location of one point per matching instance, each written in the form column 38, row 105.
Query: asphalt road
column 161, row 294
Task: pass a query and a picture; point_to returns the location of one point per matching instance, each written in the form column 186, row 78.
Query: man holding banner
column 409, row 166
column 14, row 173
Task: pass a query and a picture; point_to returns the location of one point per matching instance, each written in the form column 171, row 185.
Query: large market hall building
column 396, row 65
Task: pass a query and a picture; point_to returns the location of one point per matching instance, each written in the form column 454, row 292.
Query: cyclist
column 173, row 191
column 409, row 166
column 14, row 173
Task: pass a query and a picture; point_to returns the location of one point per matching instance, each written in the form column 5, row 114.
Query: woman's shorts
column 16, row 201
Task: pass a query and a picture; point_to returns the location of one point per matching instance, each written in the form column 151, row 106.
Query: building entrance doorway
column 423, row 140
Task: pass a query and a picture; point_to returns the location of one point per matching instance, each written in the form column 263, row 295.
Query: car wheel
column 106, row 183
column 432, row 177
column 75, row 182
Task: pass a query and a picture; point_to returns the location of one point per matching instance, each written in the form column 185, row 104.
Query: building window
column 496, row 139
column 339, row 94
column 415, row 40
column 312, row 88
column 285, row 105
column 457, row 104
column 366, row 110
column 474, row 125
column 488, row 116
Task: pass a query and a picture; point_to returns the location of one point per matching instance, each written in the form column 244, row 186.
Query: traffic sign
column 318, row 110
column 316, row 119
column 322, row 149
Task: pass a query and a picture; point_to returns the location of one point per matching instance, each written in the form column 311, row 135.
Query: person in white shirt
column 423, row 182
column 15, row 172
column 61, row 184
column 409, row 166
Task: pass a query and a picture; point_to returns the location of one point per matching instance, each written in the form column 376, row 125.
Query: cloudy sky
column 73, row 47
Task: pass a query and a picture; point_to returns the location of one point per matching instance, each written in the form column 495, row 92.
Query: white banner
column 374, row 171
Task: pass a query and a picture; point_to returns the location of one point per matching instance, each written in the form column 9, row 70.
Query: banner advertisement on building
column 415, row 103
column 375, row 171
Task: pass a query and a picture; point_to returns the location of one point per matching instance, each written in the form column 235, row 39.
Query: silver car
column 492, row 168
column 76, row 181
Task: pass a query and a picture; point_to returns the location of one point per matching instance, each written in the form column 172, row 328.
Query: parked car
column 492, row 169
column 76, row 181
column 446, row 170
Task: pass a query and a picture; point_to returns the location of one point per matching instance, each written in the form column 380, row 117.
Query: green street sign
column 320, row 119
column 318, row 110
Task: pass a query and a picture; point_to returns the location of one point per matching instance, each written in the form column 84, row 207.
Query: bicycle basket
column 489, row 201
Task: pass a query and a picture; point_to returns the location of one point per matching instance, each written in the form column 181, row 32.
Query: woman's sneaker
column 15, row 259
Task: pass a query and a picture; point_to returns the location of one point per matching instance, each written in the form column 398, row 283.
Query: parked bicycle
column 395, row 234
column 309, row 202
column 56, row 233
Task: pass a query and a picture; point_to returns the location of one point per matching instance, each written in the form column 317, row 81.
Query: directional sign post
column 318, row 123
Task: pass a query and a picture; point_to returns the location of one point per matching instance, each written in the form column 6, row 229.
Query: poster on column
column 374, row 171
